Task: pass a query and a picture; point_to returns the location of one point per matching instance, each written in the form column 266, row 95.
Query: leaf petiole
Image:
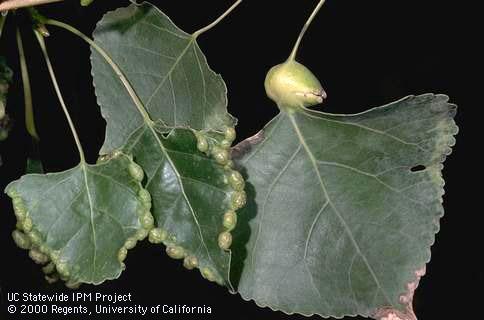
column 292, row 56
column 29, row 112
column 41, row 41
column 109, row 60
column 214, row 23
column 3, row 18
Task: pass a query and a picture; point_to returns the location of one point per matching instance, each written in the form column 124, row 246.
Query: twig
column 15, row 4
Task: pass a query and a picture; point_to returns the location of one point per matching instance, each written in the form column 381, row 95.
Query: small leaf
column 5, row 80
column 166, row 69
column 338, row 222
column 81, row 219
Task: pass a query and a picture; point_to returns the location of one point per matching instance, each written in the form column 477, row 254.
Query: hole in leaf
column 418, row 168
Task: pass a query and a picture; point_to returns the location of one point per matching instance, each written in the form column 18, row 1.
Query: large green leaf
column 165, row 67
column 83, row 220
column 344, row 208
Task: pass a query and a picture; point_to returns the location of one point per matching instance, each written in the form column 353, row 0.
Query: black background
column 366, row 53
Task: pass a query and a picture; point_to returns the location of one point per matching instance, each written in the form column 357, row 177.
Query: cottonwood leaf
column 190, row 195
column 186, row 106
column 344, row 208
column 165, row 67
column 80, row 219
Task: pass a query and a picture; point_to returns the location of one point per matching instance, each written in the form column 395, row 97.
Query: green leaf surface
column 340, row 217
column 82, row 220
column 190, row 192
column 166, row 69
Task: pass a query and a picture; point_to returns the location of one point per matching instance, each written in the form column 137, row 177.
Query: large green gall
column 292, row 86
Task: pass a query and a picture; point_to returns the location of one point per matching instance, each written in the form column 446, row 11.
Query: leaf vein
column 163, row 29
column 172, row 68
column 269, row 192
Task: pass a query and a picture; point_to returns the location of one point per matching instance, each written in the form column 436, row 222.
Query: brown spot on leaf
column 245, row 146
column 406, row 299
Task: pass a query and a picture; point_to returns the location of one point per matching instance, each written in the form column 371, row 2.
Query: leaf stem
column 29, row 112
column 292, row 57
column 41, row 41
column 213, row 24
column 3, row 18
column 114, row 66
column 139, row 105
column 15, row 4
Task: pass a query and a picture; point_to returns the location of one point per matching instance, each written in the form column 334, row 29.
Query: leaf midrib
column 182, row 188
column 91, row 207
